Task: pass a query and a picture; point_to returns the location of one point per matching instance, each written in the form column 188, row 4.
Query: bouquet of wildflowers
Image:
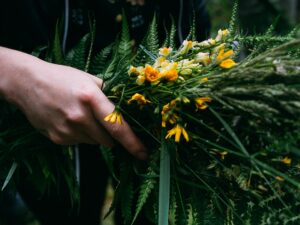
column 222, row 131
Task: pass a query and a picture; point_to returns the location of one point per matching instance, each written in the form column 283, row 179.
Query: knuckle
column 85, row 95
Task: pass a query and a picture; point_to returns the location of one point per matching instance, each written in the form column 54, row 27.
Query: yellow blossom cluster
column 170, row 67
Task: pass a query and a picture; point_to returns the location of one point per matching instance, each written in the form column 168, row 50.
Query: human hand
column 65, row 104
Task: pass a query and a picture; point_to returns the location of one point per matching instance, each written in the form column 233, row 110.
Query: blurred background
column 255, row 16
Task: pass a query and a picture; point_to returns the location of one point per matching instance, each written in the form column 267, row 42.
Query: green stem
column 164, row 184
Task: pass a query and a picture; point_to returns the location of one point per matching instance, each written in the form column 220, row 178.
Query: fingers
column 70, row 138
column 97, row 80
column 102, row 107
column 94, row 129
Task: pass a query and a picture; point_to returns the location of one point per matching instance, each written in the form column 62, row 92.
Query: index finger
column 122, row 133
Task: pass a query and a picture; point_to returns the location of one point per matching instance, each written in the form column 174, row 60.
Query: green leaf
column 127, row 200
column 109, row 160
column 234, row 18
column 145, row 190
column 124, row 47
column 9, row 175
column 164, row 182
column 92, row 35
column 77, row 56
column 100, row 60
column 56, row 49
column 151, row 42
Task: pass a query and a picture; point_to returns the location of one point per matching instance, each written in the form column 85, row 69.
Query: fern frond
column 109, row 160
column 172, row 42
column 77, row 57
column 151, row 42
column 293, row 32
column 126, row 192
column 181, row 212
column 146, row 188
column 89, row 56
column 234, row 17
column 100, row 60
column 192, row 33
column 127, row 202
column 110, row 69
column 124, row 48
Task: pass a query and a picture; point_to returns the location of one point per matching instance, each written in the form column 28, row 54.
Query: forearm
column 14, row 68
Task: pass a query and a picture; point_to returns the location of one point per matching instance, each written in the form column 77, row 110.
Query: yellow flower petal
column 201, row 102
column 177, row 131
column 287, row 161
column 227, row 64
column 114, row 117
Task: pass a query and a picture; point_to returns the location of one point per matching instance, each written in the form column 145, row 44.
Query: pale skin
column 63, row 103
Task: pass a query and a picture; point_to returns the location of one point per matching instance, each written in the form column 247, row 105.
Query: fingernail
column 142, row 155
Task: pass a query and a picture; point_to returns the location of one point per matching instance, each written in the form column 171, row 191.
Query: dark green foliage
column 151, row 41
column 234, row 18
column 109, row 159
column 100, row 59
column 146, row 187
column 77, row 56
column 57, row 55
column 172, row 36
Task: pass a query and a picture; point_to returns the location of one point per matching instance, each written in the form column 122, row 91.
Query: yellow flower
column 159, row 61
column 186, row 46
column 204, row 79
column 140, row 99
column 135, row 70
column 279, row 178
column 223, row 154
column 152, row 75
column 222, row 34
column 165, row 51
column 140, row 79
column 170, row 75
column 207, row 43
column 287, row 161
column 203, row 58
column 224, row 55
column 227, row 64
column 201, row 102
column 223, row 60
column 114, row 117
column 177, row 131
column 167, row 115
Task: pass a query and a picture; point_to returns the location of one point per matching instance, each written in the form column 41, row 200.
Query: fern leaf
column 293, row 33
column 145, row 190
column 77, row 56
column 124, row 48
column 109, row 71
column 172, row 34
column 192, row 34
column 109, row 160
column 234, row 18
column 151, row 41
column 56, row 49
column 99, row 61
column 89, row 56
column 126, row 202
